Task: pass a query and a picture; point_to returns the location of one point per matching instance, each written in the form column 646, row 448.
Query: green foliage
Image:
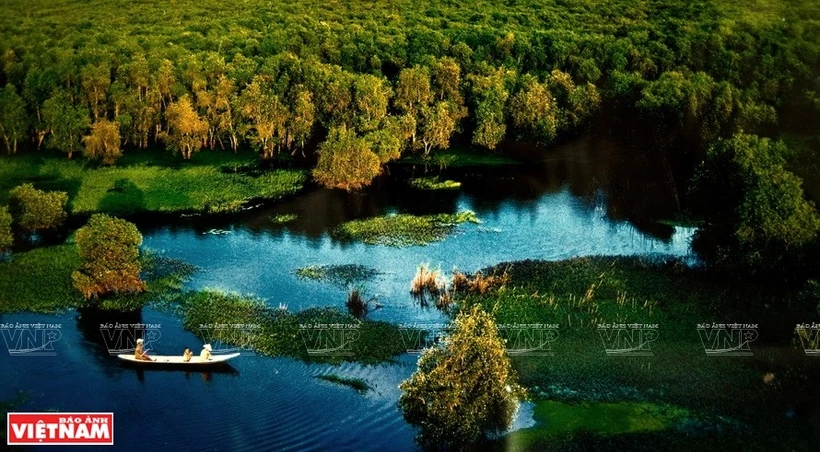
column 283, row 218
column 6, row 237
column 12, row 117
column 67, row 123
column 109, row 249
column 402, row 229
column 35, row 210
column 465, row 389
column 104, row 142
column 753, row 205
column 346, row 161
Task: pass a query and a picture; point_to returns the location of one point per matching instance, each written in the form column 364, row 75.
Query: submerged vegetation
column 402, row 229
column 343, row 275
column 355, row 383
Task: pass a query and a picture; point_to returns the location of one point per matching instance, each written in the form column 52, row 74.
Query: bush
column 35, row 210
column 6, row 239
column 463, row 390
column 110, row 257
column 756, row 214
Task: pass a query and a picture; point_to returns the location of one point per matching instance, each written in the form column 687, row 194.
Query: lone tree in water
column 35, row 210
column 109, row 249
column 465, row 389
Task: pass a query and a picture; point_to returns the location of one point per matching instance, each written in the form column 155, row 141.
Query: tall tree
column 186, row 129
column 371, row 96
column 346, row 161
column 66, row 122
column 12, row 118
column 533, row 111
column 490, row 95
column 266, row 117
column 96, row 78
column 103, row 142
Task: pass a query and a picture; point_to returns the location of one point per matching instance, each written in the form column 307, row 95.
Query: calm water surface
column 589, row 197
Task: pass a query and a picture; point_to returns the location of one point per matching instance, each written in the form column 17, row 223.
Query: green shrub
column 6, row 238
column 35, row 210
column 463, row 390
column 109, row 248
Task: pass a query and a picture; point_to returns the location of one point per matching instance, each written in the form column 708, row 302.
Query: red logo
column 79, row 429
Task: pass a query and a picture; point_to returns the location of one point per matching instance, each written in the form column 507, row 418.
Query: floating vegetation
column 343, row 275
column 283, row 218
column 403, row 229
column 355, row 383
column 434, row 183
column 316, row 335
column 488, row 230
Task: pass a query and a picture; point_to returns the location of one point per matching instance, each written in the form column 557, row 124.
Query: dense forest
column 363, row 83
column 375, row 79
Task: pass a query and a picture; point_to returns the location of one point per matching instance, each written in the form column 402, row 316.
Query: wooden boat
column 178, row 360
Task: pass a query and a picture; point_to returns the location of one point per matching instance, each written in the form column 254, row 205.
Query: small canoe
column 178, row 360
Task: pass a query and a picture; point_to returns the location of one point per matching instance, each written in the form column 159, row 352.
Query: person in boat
column 187, row 355
column 140, row 353
column 206, row 352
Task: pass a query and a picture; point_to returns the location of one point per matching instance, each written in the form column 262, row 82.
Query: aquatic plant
column 356, row 305
column 434, row 183
column 283, row 218
column 402, row 229
column 343, row 275
column 314, row 335
column 355, row 383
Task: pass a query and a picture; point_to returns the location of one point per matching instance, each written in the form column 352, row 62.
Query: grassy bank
column 578, row 295
column 315, row 335
column 40, row 281
column 214, row 182
column 344, row 275
column 402, row 229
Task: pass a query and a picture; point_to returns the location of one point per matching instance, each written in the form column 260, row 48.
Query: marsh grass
column 40, row 281
column 356, row 304
column 434, row 183
column 149, row 185
column 356, row 383
column 343, row 275
column 282, row 333
column 402, row 229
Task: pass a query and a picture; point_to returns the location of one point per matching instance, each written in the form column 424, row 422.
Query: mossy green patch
column 316, row 335
column 434, row 183
column 402, row 229
column 344, row 275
